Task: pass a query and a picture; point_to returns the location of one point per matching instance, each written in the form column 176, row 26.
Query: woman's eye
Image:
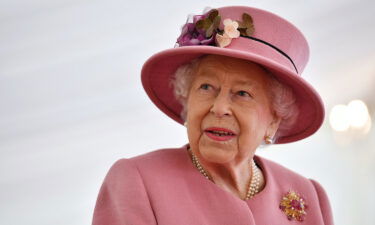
column 244, row 94
column 205, row 86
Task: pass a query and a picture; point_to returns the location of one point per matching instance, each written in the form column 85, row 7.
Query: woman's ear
column 273, row 126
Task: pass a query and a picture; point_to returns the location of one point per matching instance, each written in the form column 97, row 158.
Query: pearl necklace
column 254, row 184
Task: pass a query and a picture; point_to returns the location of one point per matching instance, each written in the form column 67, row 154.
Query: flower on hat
column 201, row 31
column 204, row 30
column 230, row 31
column 230, row 28
column 223, row 40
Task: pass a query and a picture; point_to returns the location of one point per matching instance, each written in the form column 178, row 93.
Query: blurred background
column 71, row 100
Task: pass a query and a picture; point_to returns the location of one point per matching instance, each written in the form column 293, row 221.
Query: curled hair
column 283, row 101
column 181, row 83
column 284, row 105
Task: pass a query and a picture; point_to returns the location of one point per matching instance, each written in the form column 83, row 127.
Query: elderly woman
column 234, row 81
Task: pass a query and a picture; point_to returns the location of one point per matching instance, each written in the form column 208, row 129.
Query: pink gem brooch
column 294, row 206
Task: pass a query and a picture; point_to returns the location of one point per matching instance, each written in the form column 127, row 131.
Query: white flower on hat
column 230, row 28
column 223, row 40
column 230, row 31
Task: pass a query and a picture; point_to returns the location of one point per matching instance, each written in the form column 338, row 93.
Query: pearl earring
column 268, row 140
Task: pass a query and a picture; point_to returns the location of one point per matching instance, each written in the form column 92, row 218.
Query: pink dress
column 163, row 187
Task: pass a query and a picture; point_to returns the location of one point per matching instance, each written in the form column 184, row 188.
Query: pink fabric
column 275, row 30
column 163, row 187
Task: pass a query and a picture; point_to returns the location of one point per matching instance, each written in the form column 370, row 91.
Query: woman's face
column 228, row 109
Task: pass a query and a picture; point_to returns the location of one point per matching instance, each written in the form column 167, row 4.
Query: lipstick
column 219, row 133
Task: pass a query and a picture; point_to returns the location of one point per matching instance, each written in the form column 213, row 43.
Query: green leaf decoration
column 213, row 14
column 246, row 26
column 216, row 21
column 199, row 24
column 209, row 31
column 210, row 24
column 215, row 24
column 242, row 31
column 203, row 24
column 247, row 18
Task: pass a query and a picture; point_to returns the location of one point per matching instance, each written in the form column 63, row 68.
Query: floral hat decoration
column 244, row 33
column 205, row 30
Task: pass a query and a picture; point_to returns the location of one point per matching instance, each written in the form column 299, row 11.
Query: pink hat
column 265, row 38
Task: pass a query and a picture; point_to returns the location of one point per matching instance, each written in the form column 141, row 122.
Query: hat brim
column 158, row 71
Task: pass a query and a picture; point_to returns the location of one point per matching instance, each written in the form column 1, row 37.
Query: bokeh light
column 339, row 118
column 358, row 113
column 355, row 115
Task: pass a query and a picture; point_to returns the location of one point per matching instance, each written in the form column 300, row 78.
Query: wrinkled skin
column 233, row 94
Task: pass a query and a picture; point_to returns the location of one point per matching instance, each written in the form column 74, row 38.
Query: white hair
column 282, row 96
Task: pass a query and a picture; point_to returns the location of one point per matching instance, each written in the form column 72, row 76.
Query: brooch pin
column 293, row 205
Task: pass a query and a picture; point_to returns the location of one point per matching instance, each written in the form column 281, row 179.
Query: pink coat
column 163, row 187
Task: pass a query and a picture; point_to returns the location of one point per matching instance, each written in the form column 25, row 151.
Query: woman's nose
column 221, row 105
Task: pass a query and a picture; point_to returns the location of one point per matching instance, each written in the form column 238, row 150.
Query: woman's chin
column 215, row 154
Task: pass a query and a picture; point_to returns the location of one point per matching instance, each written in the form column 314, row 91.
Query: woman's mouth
column 219, row 134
